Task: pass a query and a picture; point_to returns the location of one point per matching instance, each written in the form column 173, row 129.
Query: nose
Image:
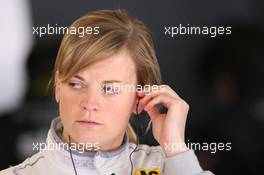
column 89, row 101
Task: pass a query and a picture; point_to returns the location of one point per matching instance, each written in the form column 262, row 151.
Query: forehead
column 119, row 66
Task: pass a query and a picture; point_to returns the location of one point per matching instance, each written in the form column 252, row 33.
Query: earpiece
column 137, row 134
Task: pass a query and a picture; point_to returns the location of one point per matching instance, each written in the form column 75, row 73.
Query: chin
column 88, row 139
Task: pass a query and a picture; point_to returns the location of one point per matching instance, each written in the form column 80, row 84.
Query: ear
column 135, row 106
column 57, row 86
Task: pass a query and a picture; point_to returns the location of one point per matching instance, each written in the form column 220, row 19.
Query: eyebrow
column 104, row 82
column 79, row 77
column 111, row 81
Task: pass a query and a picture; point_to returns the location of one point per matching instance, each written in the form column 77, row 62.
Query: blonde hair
column 116, row 30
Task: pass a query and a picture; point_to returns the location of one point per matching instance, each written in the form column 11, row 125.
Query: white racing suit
column 147, row 160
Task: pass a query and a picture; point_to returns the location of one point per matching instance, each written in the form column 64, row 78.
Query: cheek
column 68, row 103
column 120, row 110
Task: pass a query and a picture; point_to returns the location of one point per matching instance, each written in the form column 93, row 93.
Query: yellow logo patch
column 144, row 171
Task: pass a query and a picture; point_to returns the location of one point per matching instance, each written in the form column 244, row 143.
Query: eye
column 75, row 85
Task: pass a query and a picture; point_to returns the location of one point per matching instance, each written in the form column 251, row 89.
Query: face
column 82, row 101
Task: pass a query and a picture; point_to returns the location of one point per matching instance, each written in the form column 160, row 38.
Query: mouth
column 88, row 123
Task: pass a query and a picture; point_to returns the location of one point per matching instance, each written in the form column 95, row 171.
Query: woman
column 92, row 73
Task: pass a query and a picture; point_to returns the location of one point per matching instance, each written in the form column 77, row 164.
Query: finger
column 163, row 99
column 147, row 98
column 165, row 89
column 168, row 90
column 141, row 93
column 153, row 113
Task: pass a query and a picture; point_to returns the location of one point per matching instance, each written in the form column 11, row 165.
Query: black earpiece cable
column 137, row 118
column 71, row 156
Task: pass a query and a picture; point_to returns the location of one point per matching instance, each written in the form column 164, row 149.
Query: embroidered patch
column 144, row 171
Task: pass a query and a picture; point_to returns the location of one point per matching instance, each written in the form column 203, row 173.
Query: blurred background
column 221, row 78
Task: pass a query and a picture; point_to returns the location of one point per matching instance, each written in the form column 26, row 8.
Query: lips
column 88, row 122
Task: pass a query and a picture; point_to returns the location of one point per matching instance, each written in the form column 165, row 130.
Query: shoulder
column 8, row 171
column 148, row 150
column 26, row 166
column 148, row 153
